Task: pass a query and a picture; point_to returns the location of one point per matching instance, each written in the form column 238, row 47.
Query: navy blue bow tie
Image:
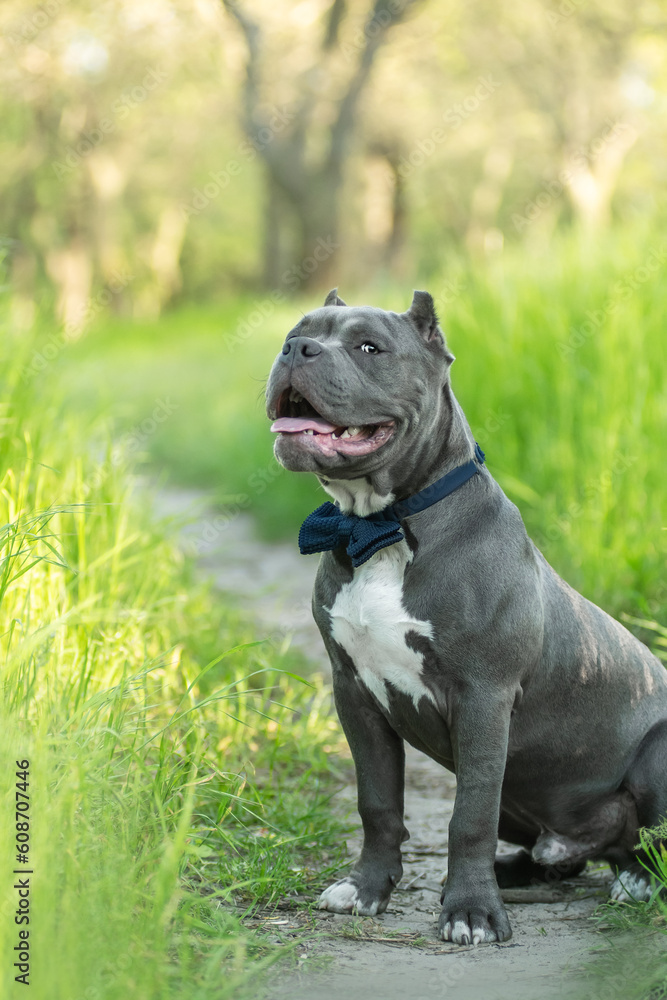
column 328, row 528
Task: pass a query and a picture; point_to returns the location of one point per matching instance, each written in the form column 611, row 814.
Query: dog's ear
column 333, row 299
column 423, row 315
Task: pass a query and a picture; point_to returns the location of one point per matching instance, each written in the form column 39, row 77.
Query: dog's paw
column 631, row 886
column 348, row 895
column 467, row 920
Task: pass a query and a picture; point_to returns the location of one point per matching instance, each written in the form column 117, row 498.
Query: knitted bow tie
column 328, row 528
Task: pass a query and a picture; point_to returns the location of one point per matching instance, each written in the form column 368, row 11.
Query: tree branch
column 337, row 12
column 285, row 160
column 252, row 34
column 385, row 14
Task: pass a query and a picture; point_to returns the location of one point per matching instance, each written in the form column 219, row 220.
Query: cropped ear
column 333, row 299
column 423, row 315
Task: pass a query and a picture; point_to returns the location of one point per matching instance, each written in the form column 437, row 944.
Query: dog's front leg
column 379, row 760
column 472, row 910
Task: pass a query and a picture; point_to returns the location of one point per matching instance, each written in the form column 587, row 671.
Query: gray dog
column 447, row 628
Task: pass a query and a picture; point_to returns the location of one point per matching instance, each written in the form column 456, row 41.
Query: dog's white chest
column 370, row 622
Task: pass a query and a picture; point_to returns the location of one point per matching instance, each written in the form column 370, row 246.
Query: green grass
column 179, row 769
column 631, row 960
column 572, row 416
column 180, row 773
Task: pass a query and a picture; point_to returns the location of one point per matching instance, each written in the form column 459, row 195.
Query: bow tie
column 328, row 528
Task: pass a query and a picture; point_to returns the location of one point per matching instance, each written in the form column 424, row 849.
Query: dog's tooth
column 295, row 397
column 346, row 433
column 354, row 430
column 309, row 432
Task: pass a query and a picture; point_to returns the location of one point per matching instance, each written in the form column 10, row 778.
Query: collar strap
column 328, row 528
column 436, row 491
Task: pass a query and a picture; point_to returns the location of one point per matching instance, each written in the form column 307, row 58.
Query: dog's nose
column 304, row 347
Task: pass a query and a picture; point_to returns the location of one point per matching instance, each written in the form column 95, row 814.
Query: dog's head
column 356, row 387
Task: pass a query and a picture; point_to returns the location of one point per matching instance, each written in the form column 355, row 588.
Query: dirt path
column 398, row 954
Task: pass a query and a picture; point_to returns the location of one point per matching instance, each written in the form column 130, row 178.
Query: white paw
column 343, row 897
column 462, row 934
column 630, row 886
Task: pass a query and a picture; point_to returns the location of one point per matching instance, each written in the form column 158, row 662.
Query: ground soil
column 398, row 954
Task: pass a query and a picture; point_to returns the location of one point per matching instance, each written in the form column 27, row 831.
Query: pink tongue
column 292, row 425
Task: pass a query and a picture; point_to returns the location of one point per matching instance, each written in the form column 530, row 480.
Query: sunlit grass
column 181, row 774
column 179, row 769
column 631, row 960
column 560, row 362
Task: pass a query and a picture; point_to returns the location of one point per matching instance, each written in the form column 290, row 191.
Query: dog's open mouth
column 299, row 419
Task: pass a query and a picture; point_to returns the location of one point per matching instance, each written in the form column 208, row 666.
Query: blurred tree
column 303, row 191
column 568, row 69
column 128, row 180
column 522, row 118
column 99, row 148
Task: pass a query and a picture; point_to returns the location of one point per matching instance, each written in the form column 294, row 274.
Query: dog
column 446, row 627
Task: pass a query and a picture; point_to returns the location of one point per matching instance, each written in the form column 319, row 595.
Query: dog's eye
column 369, row 348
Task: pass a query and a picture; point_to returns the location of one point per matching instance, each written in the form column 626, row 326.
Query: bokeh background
column 180, row 180
column 177, row 152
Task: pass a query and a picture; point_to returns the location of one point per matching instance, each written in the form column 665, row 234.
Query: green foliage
column 653, row 842
column 559, row 369
column 632, row 963
column 184, row 771
column 128, row 173
column 164, row 781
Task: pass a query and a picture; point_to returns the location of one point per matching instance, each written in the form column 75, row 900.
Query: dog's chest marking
column 370, row 622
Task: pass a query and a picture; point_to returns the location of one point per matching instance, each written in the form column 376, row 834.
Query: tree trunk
column 272, row 269
column 310, row 195
column 590, row 187
column 319, row 247
column 395, row 247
